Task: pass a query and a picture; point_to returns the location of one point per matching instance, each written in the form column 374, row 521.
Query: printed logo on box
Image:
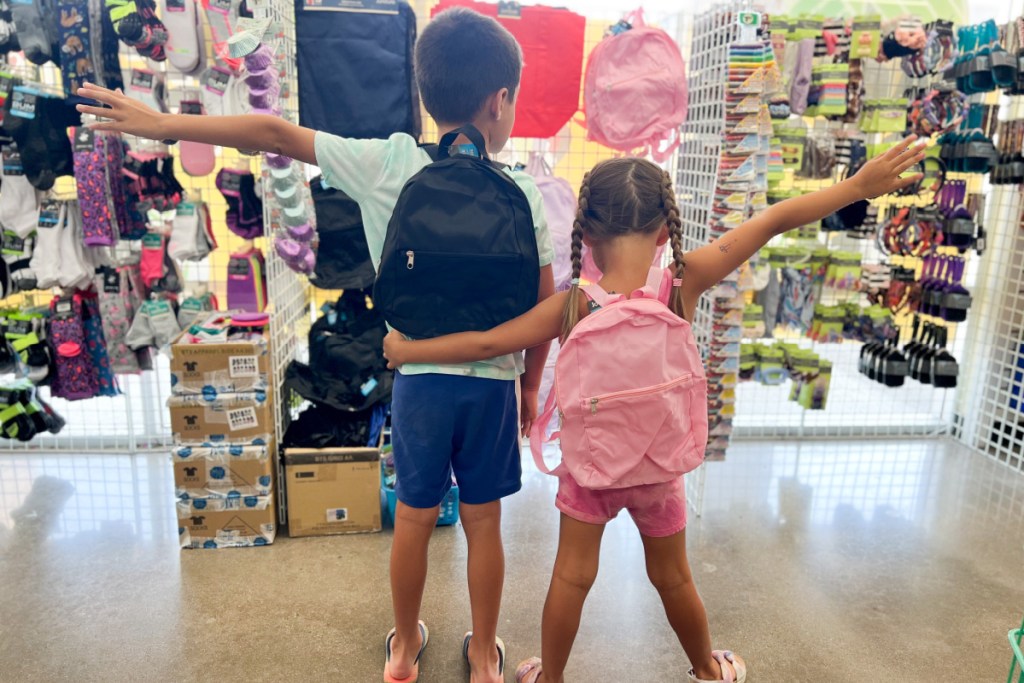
column 191, row 423
column 191, row 472
column 199, row 522
column 190, row 366
column 337, row 515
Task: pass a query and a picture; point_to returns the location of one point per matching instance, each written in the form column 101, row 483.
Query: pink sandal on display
column 734, row 669
column 528, row 671
column 414, row 676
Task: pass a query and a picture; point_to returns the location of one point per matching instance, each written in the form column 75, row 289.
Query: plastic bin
column 449, row 513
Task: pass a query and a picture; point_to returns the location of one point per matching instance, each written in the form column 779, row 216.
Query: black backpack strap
column 471, row 132
column 433, row 151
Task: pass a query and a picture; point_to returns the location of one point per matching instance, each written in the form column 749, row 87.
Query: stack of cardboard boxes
column 224, row 454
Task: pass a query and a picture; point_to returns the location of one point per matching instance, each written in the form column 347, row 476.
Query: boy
column 461, row 418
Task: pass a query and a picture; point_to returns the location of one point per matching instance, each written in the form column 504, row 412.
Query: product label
column 230, row 181
column 217, row 80
column 370, row 6
column 19, row 327
column 84, row 139
column 49, row 214
column 152, row 240
column 12, row 160
column 12, row 244
column 368, row 386
column 192, row 107
column 242, row 418
column 23, row 103
column 509, row 10
column 174, row 5
column 243, row 366
column 142, row 79
column 337, row 515
column 946, row 368
column 111, row 281
column 64, row 309
column 186, row 209
column 238, row 267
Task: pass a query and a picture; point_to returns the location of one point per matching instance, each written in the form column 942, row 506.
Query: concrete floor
column 835, row 562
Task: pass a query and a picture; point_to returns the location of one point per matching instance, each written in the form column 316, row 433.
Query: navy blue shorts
column 447, row 423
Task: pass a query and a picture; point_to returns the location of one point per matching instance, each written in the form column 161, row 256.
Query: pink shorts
column 659, row 510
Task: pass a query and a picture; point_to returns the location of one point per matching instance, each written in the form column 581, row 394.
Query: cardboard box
column 223, row 471
column 214, row 369
column 227, row 522
column 332, row 491
column 228, row 418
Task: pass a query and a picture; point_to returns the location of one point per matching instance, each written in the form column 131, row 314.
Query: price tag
column 509, row 10
column 142, row 79
column 217, row 80
column 64, row 309
column 12, row 243
column 192, row 107
column 369, row 6
column 749, row 23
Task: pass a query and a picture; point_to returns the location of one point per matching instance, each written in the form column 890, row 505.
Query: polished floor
column 831, row 562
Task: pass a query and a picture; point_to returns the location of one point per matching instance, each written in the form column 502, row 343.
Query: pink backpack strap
column 597, row 294
column 538, row 433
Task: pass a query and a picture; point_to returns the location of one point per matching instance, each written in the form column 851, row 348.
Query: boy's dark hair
column 462, row 57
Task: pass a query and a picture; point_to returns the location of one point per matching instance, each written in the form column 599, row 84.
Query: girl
column 627, row 209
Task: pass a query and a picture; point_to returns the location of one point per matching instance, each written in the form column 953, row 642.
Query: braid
column 572, row 310
column 675, row 231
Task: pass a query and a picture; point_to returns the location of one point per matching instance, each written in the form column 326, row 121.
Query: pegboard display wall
column 137, row 419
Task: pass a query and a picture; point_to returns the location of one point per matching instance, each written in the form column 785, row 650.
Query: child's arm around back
column 707, row 266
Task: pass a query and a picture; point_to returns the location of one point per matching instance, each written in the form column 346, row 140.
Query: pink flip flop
column 414, row 676
column 734, row 669
column 528, row 671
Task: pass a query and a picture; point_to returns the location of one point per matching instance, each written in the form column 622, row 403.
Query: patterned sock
column 76, row 59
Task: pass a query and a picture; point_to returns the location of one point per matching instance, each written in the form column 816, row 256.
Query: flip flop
column 412, row 678
column 528, row 670
column 501, row 651
column 734, row 669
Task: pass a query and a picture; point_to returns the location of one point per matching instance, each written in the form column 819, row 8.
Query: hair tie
column 677, row 282
column 575, row 282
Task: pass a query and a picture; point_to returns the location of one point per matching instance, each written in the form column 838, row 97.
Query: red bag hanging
column 552, row 42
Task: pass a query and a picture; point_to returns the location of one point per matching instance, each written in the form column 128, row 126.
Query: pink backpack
column 634, row 92
column 631, row 392
column 560, row 206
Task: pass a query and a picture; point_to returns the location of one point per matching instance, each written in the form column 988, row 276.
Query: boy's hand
column 881, row 175
column 124, row 115
column 393, row 349
column 528, row 410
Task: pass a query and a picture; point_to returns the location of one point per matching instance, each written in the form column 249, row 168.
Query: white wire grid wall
column 989, row 410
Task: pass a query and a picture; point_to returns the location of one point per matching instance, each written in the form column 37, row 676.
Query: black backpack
column 460, row 252
column 342, row 257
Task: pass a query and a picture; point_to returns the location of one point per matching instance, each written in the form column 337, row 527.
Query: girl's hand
column 393, row 344
column 881, row 175
column 528, row 410
column 122, row 114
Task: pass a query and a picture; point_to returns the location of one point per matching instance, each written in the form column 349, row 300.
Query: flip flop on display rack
column 414, row 676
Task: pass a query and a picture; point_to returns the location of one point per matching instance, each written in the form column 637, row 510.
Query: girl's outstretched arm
column 705, row 267
column 540, row 324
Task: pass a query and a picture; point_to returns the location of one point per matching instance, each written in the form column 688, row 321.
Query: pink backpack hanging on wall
column 634, row 91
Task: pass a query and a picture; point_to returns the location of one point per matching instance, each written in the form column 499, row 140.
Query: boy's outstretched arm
column 252, row 131
column 705, row 267
column 536, row 357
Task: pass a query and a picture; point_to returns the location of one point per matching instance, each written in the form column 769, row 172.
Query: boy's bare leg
column 413, row 528
column 486, row 577
column 579, row 550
